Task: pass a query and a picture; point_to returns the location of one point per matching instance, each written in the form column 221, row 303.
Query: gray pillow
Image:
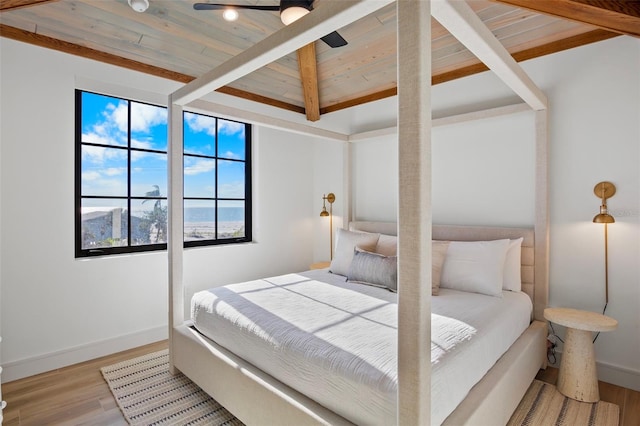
column 374, row 269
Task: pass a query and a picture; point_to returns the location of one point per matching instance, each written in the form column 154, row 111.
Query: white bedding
column 336, row 342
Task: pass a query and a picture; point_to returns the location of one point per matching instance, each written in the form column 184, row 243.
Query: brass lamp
column 330, row 197
column 604, row 190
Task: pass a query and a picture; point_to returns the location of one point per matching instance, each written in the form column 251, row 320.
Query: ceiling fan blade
column 217, row 6
column 334, row 40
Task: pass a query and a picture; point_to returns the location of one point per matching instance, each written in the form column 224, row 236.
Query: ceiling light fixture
column 139, row 5
column 230, row 15
column 292, row 10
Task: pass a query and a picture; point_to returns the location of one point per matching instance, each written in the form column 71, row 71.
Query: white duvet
column 336, row 342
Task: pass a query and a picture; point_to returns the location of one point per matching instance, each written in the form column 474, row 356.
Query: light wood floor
column 78, row 395
column 74, row 395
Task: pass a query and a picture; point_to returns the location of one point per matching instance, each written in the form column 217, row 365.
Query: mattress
column 336, row 342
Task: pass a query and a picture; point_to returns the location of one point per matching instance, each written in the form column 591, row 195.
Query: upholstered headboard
column 476, row 233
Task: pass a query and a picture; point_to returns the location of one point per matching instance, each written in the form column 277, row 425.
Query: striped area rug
column 543, row 405
column 148, row 394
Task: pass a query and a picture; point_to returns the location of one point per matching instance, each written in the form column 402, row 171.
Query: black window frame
column 81, row 252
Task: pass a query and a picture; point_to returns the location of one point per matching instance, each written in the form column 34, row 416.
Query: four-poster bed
column 256, row 397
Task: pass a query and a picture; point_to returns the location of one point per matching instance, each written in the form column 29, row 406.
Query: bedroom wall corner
column 594, row 135
column 58, row 310
column 328, row 176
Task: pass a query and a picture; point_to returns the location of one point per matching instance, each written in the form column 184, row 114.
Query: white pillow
column 438, row 255
column 512, row 280
column 387, row 245
column 346, row 242
column 475, row 266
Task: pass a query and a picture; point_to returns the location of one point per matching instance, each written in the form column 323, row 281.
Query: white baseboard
column 611, row 373
column 15, row 370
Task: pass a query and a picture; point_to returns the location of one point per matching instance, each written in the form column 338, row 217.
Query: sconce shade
column 324, row 212
column 603, row 218
column 604, row 190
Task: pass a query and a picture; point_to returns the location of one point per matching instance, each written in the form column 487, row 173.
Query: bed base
column 257, row 398
column 250, row 394
column 493, row 399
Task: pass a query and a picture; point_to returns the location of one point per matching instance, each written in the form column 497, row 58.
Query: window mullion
column 129, row 215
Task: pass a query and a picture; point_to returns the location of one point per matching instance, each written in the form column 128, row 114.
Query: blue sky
column 104, row 169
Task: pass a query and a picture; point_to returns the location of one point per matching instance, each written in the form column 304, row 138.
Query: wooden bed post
column 175, row 243
column 414, row 212
column 347, row 209
column 541, row 271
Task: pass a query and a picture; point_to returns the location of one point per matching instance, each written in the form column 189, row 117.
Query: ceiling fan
column 290, row 11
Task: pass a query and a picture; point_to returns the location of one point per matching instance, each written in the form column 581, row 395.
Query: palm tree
column 156, row 219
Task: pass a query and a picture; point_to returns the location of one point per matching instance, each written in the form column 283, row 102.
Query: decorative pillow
column 387, row 245
column 374, row 269
column 346, row 241
column 438, row 254
column 475, row 266
column 512, row 279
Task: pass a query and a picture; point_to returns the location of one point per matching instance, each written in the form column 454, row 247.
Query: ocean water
column 204, row 214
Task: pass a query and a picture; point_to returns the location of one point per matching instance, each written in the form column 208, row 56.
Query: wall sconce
column 330, row 197
column 604, row 190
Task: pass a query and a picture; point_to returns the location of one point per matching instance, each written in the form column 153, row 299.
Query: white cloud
column 117, row 116
column 201, row 123
column 114, row 171
column 231, row 190
column 99, row 155
column 101, row 185
column 231, row 127
column 137, row 143
column 113, row 129
column 87, row 176
column 200, row 166
column 144, row 116
column 230, row 154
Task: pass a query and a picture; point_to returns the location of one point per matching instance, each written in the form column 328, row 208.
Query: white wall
column 483, row 173
column 594, row 95
column 48, row 297
column 57, row 309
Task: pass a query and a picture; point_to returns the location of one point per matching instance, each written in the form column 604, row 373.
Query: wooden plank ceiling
column 174, row 41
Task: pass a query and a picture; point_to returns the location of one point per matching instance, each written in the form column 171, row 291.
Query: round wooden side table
column 319, row 265
column 578, row 378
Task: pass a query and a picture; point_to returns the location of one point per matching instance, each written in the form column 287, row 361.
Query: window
column 121, row 177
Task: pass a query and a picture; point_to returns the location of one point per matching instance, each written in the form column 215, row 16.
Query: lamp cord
column 598, row 333
column 331, row 231
column 606, row 275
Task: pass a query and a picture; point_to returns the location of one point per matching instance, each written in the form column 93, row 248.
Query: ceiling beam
column 225, row 111
column 108, row 58
column 85, row 52
column 308, row 66
column 326, row 18
column 463, row 23
column 521, row 55
column 8, row 5
column 614, row 15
